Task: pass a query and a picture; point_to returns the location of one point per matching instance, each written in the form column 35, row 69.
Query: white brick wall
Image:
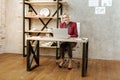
column 2, row 25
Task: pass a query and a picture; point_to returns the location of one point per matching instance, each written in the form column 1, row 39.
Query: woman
column 72, row 32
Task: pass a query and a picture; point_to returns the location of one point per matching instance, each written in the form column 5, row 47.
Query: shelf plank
column 45, row 2
column 44, row 32
column 52, row 47
column 37, row 17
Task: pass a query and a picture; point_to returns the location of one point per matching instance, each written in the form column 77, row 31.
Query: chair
column 74, row 49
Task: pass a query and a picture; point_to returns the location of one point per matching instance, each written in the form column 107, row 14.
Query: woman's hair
column 67, row 15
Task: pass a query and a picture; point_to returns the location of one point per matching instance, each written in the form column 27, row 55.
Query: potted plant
column 30, row 12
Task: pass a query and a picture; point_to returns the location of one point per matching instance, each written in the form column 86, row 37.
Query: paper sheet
column 93, row 3
column 100, row 10
column 106, row 3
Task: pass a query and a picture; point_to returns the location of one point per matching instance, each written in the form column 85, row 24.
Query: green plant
column 30, row 10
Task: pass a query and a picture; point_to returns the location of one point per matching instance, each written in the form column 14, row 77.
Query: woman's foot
column 61, row 63
column 70, row 64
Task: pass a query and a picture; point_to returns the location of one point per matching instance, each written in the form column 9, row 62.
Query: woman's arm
column 72, row 31
column 62, row 25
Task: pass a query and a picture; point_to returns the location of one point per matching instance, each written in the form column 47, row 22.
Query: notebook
column 60, row 33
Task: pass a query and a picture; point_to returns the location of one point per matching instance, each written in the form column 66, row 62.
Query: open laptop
column 60, row 33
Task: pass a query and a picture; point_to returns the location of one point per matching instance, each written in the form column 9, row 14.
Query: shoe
column 69, row 68
column 61, row 64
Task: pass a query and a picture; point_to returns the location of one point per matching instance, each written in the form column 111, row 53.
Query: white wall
column 102, row 30
column 2, row 25
column 14, row 27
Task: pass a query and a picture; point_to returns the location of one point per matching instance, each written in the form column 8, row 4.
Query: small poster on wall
column 100, row 10
column 106, row 3
column 93, row 3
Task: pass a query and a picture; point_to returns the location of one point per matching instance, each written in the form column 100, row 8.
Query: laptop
column 60, row 33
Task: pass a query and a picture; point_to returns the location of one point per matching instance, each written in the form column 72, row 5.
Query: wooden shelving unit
column 37, row 17
column 44, row 32
column 55, row 16
column 44, row 2
column 51, row 47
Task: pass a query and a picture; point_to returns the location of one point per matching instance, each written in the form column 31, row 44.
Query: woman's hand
column 69, row 36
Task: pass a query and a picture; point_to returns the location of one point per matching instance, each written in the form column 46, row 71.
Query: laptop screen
column 60, row 33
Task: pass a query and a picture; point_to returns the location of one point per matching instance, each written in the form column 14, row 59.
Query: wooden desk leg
column 32, row 53
column 84, row 59
column 57, row 50
column 57, row 54
column 28, row 55
column 87, row 56
column 38, row 55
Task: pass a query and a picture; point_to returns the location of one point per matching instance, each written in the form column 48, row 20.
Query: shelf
column 48, row 47
column 37, row 17
column 45, row 2
column 44, row 20
column 51, row 47
column 44, row 32
column 44, row 44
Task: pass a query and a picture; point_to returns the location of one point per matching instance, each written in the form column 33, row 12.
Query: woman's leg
column 62, row 53
column 69, row 47
column 66, row 46
column 70, row 55
column 62, row 49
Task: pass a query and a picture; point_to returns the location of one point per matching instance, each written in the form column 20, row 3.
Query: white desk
column 34, row 51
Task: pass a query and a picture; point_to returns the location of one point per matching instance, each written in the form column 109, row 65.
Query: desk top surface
column 83, row 40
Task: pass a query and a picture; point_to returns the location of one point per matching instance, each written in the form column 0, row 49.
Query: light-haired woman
column 67, row 46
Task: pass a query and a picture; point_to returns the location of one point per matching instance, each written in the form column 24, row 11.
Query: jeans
column 66, row 46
